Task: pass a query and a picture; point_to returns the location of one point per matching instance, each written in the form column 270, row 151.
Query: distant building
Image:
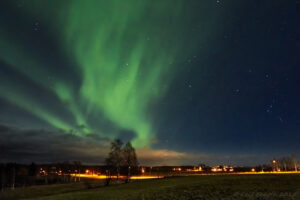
column 222, row 169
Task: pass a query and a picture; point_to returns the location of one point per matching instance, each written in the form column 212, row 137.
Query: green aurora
column 123, row 53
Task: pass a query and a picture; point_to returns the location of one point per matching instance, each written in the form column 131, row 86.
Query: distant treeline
column 20, row 175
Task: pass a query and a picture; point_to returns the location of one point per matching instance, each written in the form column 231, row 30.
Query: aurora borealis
column 121, row 63
column 174, row 77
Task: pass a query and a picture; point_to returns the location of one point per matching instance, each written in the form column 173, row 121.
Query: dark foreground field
column 238, row 187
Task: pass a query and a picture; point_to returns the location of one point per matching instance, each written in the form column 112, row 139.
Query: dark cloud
column 49, row 146
column 44, row 146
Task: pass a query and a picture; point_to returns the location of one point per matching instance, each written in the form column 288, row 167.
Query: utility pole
column 13, row 177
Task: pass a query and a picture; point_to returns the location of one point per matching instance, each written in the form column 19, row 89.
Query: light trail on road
column 95, row 176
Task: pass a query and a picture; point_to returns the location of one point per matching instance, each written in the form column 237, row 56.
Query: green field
column 239, row 187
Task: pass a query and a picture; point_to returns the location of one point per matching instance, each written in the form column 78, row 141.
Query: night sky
column 186, row 81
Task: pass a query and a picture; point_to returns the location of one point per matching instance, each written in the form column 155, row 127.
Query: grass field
column 238, row 187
